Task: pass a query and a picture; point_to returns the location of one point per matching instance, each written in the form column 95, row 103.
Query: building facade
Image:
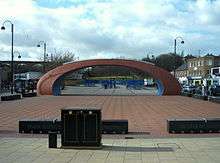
column 197, row 69
column 200, row 68
column 181, row 73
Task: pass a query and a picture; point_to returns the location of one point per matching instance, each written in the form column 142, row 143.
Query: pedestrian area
column 99, row 90
column 145, row 114
column 165, row 150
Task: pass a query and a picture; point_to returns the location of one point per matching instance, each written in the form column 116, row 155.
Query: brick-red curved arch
column 170, row 84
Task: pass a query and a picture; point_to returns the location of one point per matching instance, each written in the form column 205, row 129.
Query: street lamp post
column 45, row 49
column 19, row 57
column 12, row 53
column 175, row 44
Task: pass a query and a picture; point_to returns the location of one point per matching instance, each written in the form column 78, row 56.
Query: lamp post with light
column 19, row 55
column 12, row 52
column 175, row 44
column 45, row 49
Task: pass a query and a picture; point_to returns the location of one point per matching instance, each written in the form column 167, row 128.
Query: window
column 202, row 73
column 210, row 62
column 190, row 64
column 199, row 63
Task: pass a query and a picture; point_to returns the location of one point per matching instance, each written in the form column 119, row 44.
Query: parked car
column 214, row 90
column 189, row 89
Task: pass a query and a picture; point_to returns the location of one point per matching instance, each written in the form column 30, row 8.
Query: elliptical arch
column 49, row 84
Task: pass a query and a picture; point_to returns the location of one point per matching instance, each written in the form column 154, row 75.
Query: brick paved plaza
column 146, row 114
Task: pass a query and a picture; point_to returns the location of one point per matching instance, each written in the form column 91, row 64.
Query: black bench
column 39, row 126
column 44, row 126
column 30, row 94
column 186, row 125
column 204, row 125
column 213, row 125
column 11, row 97
column 114, row 126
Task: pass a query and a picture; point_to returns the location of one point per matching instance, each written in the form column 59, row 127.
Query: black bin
column 81, row 127
column 52, row 140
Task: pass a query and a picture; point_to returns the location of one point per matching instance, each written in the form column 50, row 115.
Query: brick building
column 196, row 69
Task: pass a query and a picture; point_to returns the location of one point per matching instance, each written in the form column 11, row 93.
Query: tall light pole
column 19, row 57
column 12, row 52
column 175, row 44
column 45, row 49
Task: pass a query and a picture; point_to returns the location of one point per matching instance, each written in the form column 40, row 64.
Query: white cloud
column 110, row 29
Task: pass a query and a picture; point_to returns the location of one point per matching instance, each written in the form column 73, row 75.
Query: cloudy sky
column 110, row 28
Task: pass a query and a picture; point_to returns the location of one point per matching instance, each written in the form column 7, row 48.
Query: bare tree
column 58, row 58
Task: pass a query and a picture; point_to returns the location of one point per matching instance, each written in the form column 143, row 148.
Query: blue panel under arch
column 160, row 87
column 57, row 86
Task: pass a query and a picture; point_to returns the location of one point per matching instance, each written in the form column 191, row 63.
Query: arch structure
column 49, row 84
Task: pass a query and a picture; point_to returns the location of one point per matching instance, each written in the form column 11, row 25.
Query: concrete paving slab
column 105, row 155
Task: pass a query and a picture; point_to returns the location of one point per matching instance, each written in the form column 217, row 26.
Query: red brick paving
column 145, row 113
